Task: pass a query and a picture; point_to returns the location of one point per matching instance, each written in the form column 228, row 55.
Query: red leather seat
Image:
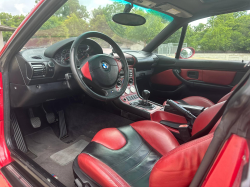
column 202, row 101
column 143, row 154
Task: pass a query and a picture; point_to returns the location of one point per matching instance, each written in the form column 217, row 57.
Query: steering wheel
column 99, row 71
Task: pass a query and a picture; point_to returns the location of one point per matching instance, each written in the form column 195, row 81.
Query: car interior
column 86, row 117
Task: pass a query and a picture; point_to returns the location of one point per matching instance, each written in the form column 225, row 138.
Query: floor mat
column 67, row 155
column 87, row 120
column 43, row 144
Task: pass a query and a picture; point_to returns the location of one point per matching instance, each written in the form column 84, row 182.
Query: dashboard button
column 127, row 91
column 132, row 89
column 51, row 64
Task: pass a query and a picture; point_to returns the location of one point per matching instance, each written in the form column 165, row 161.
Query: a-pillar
column 1, row 39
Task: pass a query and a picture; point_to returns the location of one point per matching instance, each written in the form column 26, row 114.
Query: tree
column 11, row 21
column 145, row 33
column 73, row 7
column 76, row 25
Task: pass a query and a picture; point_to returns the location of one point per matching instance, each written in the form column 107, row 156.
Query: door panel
column 166, row 78
column 209, row 76
column 179, row 78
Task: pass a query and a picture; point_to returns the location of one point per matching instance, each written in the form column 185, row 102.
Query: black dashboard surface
column 38, row 75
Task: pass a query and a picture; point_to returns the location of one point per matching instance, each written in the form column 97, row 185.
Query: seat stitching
column 103, row 169
column 136, row 180
column 126, row 172
column 115, row 164
column 186, row 147
column 116, row 178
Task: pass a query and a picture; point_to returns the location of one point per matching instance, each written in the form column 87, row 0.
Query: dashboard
column 42, row 74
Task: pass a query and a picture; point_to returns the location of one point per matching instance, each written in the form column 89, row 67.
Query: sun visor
column 145, row 3
column 173, row 10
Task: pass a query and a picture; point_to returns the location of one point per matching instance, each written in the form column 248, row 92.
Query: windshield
column 78, row 16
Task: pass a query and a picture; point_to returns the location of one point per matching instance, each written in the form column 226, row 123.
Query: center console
column 131, row 101
column 139, row 107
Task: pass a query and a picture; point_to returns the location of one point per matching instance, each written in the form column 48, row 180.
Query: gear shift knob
column 145, row 96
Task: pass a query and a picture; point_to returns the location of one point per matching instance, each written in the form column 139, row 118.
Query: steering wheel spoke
column 79, row 73
column 110, row 92
column 101, row 70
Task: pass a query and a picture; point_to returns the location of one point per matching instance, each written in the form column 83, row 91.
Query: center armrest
column 195, row 110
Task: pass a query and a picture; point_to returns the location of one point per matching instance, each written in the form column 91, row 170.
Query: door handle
column 193, row 74
column 177, row 74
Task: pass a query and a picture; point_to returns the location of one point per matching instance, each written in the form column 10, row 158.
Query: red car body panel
column 216, row 170
column 4, row 152
column 5, row 157
column 3, row 181
column 228, row 167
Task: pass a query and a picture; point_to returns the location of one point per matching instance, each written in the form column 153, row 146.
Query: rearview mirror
column 187, row 52
column 129, row 19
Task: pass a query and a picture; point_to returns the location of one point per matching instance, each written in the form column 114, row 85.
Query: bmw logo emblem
column 105, row 66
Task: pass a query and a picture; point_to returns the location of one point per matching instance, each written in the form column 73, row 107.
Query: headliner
column 196, row 9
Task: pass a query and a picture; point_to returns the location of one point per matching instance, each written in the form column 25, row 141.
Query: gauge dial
column 65, row 57
column 83, row 52
column 58, row 57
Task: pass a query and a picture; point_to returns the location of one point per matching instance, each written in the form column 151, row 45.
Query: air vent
column 130, row 61
column 37, row 57
column 38, row 69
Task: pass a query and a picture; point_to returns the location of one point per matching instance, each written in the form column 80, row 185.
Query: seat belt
column 212, row 123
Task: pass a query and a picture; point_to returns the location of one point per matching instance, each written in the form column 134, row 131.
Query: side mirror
column 187, row 52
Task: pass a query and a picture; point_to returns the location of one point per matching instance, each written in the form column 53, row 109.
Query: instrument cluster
column 63, row 55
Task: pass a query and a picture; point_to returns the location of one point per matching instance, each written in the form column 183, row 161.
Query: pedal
column 51, row 118
column 62, row 125
column 35, row 121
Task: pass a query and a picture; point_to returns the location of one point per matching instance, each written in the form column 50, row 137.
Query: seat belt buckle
column 185, row 132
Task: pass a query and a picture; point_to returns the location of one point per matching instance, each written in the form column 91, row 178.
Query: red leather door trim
column 218, row 77
column 100, row 172
column 178, row 167
column 227, row 169
column 211, row 76
column 156, row 135
column 166, row 78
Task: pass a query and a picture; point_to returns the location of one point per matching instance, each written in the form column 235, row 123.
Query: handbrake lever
column 182, row 110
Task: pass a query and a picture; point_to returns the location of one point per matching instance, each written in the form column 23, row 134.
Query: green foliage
column 11, row 21
column 145, row 33
column 227, row 32
column 71, row 7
